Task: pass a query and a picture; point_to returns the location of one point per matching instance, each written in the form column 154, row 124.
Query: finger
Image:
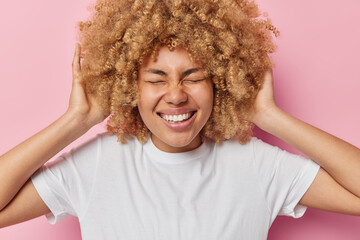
column 268, row 77
column 76, row 67
column 269, row 82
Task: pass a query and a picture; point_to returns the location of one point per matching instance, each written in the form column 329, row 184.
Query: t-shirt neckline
column 176, row 158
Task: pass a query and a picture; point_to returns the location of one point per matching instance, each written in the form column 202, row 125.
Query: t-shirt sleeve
column 65, row 184
column 285, row 178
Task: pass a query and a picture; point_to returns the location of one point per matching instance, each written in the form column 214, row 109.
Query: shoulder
column 105, row 141
column 234, row 145
column 99, row 149
column 255, row 151
column 232, row 149
column 98, row 146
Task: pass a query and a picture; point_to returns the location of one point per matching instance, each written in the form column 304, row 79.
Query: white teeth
column 176, row 118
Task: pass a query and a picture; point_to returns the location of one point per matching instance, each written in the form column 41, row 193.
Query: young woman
column 185, row 78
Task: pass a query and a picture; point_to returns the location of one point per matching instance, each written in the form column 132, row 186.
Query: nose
column 175, row 95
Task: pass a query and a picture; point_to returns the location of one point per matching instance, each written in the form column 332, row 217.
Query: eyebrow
column 183, row 74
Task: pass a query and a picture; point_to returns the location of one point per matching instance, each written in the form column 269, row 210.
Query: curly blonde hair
column 229, row 37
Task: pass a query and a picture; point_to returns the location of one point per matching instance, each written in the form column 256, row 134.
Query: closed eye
column 155, row 82
column 194, row 81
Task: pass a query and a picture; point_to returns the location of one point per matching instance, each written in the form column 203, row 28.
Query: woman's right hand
column 20, row 163
column 82, row 106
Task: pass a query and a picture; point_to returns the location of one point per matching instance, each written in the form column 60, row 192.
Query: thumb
column 76, row 66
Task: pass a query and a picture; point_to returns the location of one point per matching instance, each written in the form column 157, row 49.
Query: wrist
column 268, row 120
column 77, row 122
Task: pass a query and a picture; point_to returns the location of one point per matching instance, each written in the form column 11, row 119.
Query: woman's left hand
column 264, row 102
column 336, row 186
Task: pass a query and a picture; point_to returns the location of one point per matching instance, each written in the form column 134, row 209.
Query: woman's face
column 175, row 100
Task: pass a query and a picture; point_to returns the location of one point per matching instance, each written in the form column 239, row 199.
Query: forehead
column 176, row 59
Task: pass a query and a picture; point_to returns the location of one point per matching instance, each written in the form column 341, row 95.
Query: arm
column 26, row 205
column 338, row 181
column 17, row 165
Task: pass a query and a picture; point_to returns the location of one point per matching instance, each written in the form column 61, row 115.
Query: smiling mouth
column 176, row 118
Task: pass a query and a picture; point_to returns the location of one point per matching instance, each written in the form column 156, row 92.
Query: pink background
column 316, row 80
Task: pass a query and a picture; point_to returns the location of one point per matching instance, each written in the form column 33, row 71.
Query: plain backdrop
column 316, row 80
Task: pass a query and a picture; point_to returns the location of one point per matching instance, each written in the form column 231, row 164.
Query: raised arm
column 337, row 186
column 17, row 165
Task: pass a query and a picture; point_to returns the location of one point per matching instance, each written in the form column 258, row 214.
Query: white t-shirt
column 133, row 191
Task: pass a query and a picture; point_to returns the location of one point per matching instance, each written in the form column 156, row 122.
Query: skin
column 336, row 187
column 173, row 85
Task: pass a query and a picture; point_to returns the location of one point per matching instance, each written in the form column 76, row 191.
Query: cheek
column 204, row 97
column 147, row 100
